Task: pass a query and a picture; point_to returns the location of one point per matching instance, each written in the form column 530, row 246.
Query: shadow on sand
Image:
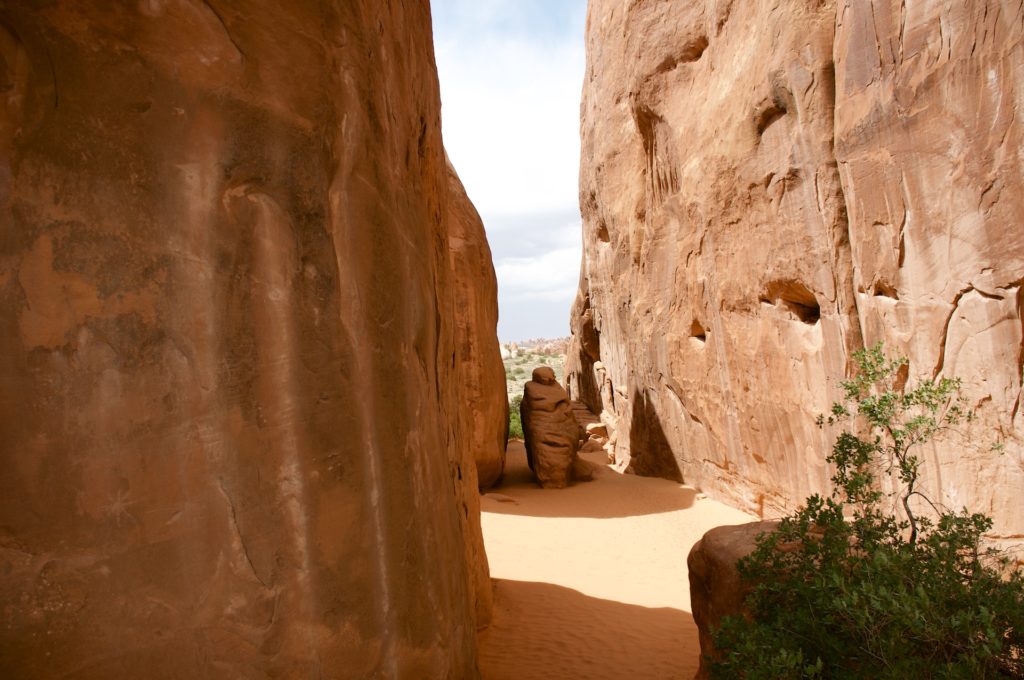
column 547, row 631
column 652, row 454
column 610, row 494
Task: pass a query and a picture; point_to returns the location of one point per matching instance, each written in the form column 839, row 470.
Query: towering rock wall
column 769, row 185
column 231, row 443
column 476, row 405
column 475, row 318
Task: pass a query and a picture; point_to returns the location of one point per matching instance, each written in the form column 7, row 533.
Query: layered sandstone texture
column 551, row 433
column 230, row 373
column 484, row 416
column 769, row 185
column 475, row 405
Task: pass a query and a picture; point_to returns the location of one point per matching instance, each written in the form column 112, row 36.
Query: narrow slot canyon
column 511, row 339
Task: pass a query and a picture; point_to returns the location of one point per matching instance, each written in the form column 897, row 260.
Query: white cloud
column 540, row 278
column 551, row 275
column 511, row 122
column 511, row 72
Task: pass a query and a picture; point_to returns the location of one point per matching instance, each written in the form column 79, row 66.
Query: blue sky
column 511, row 73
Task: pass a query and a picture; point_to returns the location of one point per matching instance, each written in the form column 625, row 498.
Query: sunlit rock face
column 481, row 379
column 230, row 439
column 476, row 406
column 768, row 186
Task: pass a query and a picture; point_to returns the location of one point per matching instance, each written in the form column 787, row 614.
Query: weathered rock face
column 769, row 185
column 550, row 430
column 481, row 376
column 716, row 590
column 225, row 345
column 477, row 406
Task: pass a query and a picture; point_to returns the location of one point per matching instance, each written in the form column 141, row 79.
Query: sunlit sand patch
column 591, row 581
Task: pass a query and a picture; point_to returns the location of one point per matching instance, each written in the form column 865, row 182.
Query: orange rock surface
column 481, row 374
column 476, row 410
column 716, row 590
column 551, row 433
column 230, row 401
column 768, row 186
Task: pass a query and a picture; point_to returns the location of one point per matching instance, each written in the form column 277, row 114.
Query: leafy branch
column 845, row 588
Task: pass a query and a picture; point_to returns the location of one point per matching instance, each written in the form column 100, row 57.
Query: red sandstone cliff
column 231, row 442
column 478, row 357
column 476, row 409
column 768, row 186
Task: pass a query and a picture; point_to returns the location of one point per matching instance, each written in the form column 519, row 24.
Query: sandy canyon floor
column 591, row 581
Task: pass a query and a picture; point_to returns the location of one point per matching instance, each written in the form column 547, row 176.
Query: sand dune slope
column 591, row 581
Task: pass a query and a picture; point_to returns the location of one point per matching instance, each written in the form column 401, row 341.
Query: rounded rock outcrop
column 551, row 432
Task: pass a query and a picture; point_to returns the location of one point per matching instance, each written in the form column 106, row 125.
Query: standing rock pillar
column 551, row 432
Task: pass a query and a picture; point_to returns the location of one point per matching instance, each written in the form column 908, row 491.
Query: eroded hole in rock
column 809, row 314
column 691, row 52
column 768, row 117
column 667, row 65
column 697, row 331
column 794, row 297
column 694, row 49
column 884, row 289
column 602, row 232
column 778, row 186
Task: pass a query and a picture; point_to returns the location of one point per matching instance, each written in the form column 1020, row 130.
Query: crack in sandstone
column 220, row 19
column 1019, row 286
column 238, row 532
column 949, row 318
column 902, row 258
column 903, row 28
column 878, row 41
column 843, row 269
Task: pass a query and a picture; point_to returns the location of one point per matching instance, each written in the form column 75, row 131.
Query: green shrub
column 515, row 423
column 846, row 589
column 518, row 371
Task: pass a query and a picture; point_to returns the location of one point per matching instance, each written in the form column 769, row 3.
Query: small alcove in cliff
column 795, row 298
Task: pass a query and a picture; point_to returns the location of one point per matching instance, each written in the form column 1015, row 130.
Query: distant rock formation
column 550, row 346
column 240, row 306
column 552, row 435
column 766, row 187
